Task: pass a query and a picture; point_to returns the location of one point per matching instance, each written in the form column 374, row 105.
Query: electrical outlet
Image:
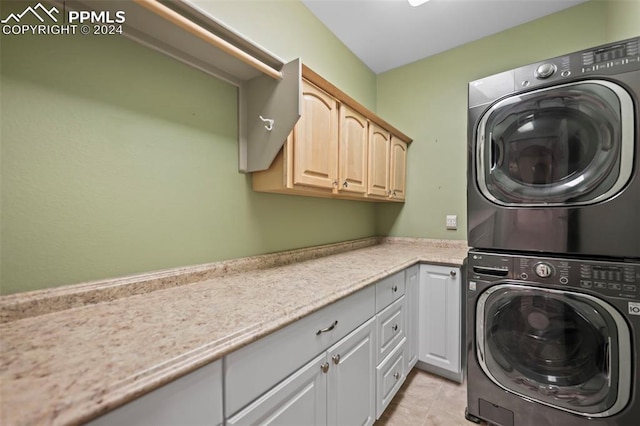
column 452, row 221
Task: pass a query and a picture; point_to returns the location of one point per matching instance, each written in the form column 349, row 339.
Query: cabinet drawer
column 391, row 327
column 389, row 289
column 254, row 369
column 390, row 375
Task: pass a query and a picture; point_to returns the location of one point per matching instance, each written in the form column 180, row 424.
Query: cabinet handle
column 396, row 375
column 324, row 367
column 395, row 327
column 394, row 288
column 345, row 184
column 393, row 193
column 336, row 359
column 452, row 273
column 324, row 330
column 335, row 183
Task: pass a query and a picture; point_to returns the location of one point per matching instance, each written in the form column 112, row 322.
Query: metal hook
column 269, row 125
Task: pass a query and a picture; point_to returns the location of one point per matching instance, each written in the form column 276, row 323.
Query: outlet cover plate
column 452, row 221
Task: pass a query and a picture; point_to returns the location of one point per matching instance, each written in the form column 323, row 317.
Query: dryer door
column 564, row 145
column 563, row 349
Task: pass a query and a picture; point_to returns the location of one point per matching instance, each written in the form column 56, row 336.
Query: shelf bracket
column 280, row 100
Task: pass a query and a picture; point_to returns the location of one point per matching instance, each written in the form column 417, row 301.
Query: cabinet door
column 301, row 399
column 194, row 399
column 351, row 397
column 440, row 337
column 378, row 176
column 352, row 151
column 315, row 141
column 412, row 309
column 398, row 172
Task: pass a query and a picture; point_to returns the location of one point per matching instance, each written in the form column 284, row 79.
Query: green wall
column 428, row 100
column 117, row 160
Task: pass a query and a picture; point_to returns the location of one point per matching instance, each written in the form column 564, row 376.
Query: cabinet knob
column 395, row 327
column 336, row 359
column 324, row 367
column 345, row 184
column 396, row 375
column 394, row 288
column 452, row 273
column 393, row 193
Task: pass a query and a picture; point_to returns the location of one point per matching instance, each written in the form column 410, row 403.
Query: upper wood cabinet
column 379, row 149
column 338, row 149
column 315, row 140
column 397, row 169
column 352, row 151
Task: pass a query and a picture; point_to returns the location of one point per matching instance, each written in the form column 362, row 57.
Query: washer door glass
column 563, row 349
column 570, row 144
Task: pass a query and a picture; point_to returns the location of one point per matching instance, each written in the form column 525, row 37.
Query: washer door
column 567, row 350
column 564, row 145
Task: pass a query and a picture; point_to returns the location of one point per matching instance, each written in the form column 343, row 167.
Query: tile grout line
column 426, row 416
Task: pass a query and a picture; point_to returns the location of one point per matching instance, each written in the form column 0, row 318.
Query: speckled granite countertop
column 68, row 355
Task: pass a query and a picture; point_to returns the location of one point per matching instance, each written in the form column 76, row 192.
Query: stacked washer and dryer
column 553, row 276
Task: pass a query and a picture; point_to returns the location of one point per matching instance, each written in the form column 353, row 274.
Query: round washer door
column 564, row 349
column 571, row 144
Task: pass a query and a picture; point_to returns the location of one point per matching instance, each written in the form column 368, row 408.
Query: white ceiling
column 386, row 34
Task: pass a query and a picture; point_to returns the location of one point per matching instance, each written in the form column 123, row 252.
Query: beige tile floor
column 427, row 400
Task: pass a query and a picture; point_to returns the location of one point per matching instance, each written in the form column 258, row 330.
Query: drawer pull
column 395, row 327
column 336, row 359
column 452, row 273
column 394, row 288
column 396, row 375
column 324, row 330
column 324, row 367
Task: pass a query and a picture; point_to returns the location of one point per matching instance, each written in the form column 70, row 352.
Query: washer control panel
column 614, row 279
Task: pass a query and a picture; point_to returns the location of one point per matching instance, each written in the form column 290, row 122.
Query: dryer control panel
column 608, row 59
column 614, row 279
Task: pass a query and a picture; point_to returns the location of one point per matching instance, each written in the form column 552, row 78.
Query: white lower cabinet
column 299, row 399
column 439, row 321
column 335, row 388
column 390, row 375
column 258, row 367
column 341, row 365
column 412, row 279
column 391, row 328
column 194, row 399
column 351, row 377
column 390, row 323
